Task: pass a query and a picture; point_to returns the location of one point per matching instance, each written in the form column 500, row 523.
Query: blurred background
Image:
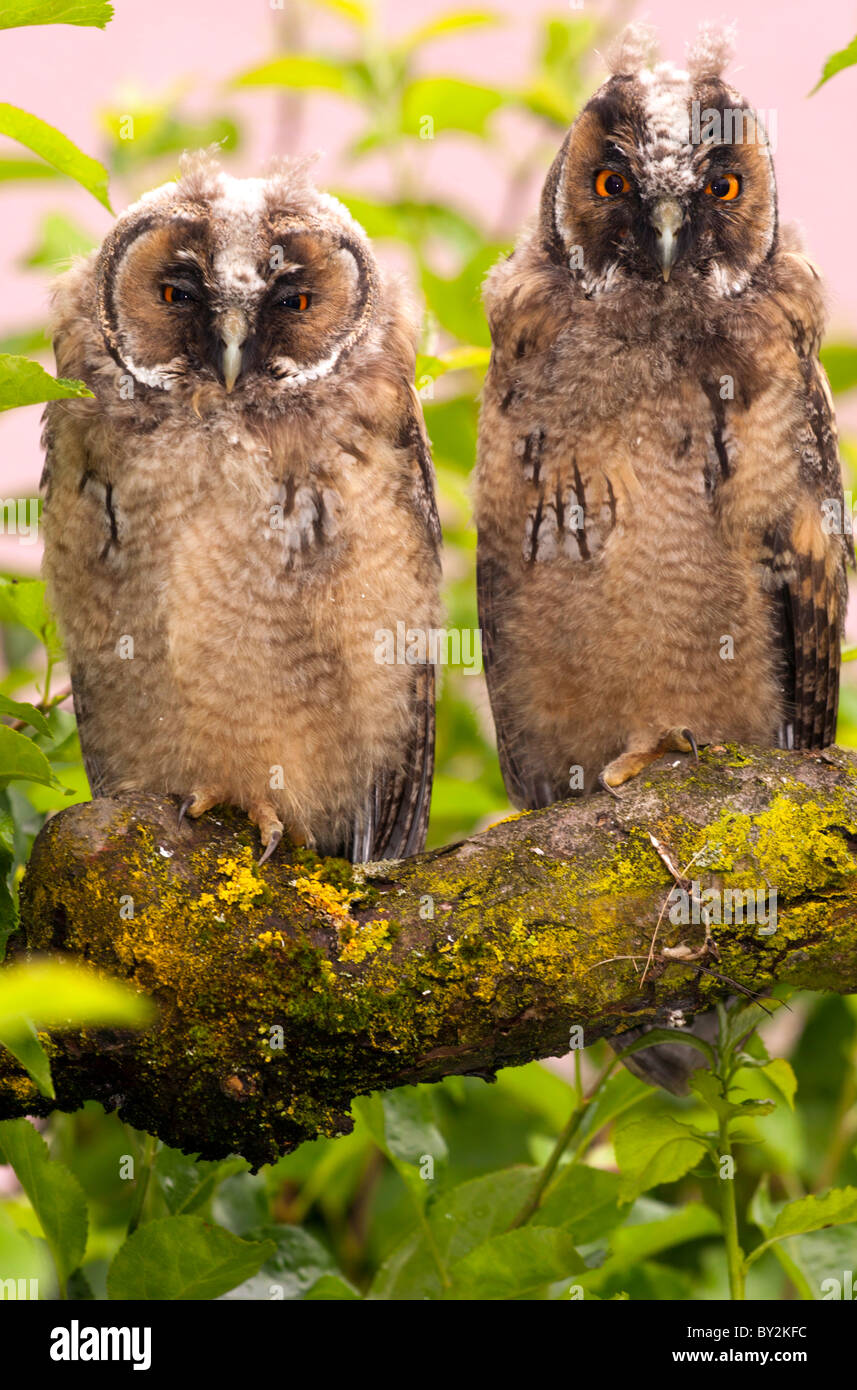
column 353, row 81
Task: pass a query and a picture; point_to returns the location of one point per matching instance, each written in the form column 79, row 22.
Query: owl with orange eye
column 242, row 511
column 660, row 563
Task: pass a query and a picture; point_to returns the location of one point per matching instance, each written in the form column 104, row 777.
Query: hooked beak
column 233, row 330
column 666, row 219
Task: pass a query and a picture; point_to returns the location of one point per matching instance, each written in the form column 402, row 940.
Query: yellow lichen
column 241, row 885
column 326, row 897
column 367, row 938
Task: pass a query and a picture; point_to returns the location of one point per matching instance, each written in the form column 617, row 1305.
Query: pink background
column 67, row 76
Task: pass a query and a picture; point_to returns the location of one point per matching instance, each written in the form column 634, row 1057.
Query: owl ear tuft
column 632, row 50
column 711, row 51
column 294, row 169
column 200, row 173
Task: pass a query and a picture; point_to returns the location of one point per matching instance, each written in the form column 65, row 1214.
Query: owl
column 241, row 513
column 661, row 559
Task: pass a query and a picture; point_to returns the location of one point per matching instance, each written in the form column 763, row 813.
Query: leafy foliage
column 15, row 13
column 838, row 62
column 55, row 148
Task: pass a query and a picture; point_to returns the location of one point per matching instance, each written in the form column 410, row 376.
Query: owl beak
column 667, row 217
column 233, row 329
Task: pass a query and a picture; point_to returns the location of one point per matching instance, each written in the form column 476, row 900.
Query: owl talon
column 681, row 740
column 197, row 804
column 606, row 787
column 276, row 837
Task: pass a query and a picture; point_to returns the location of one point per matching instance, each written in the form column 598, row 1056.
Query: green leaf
column 188, row 1183
column 782, row 1078
column 550, row 100
column 60, row 240
column 459, row 359
column 23, row 601
column 641, row 1238
column 446, row 24
column 21, row 760
column 79, row 1287
column 821, row 1263
column 840, row 362
column 409, row 1126
column 301, row 71
column 297, row 1263
column 620, row 1093
column 28, row 714
column 178, row 1258
column 55, row 149
column 23, row 382
column 24, row 1257
column 517, row 1263
column 534, row 1088
column 709, row 1088
column 24, row 341
column 459, row 1220
column 54, row 1193
column 457, row 302
column 402, row 1123
column 837, row 62
column 351, row 10
column 414, row 222
column 451, row 427
column 154, row 130
column 451, row 103
column 20, row 1038
column 15, row 170
column 94, row 13
column 63, row 994
column 764, row 1213
column 838, row 1207
column 331, row 1287
column 585, row 1201
column 834, row 1208
column 654, row 1150
column 566, row 42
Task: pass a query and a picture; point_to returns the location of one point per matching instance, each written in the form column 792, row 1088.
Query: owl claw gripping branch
column 247, row 499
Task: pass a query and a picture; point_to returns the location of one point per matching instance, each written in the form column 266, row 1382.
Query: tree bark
column 285, row 991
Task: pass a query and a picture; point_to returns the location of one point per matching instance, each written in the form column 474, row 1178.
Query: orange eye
column 171, row 294
column 725, row 187
column 609, row 184
column 298, row 302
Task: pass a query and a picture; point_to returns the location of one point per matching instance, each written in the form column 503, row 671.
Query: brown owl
column 660, row 562
column 243, row 511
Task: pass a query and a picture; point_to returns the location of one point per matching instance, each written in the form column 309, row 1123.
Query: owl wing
column 809, row 561
column 527, row 782
column 396, row 818
column 80, row 699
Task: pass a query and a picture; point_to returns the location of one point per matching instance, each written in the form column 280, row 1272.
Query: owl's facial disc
column 635, row 192
column 189, row 295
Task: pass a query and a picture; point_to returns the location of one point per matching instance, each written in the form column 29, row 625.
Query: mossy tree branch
column 285, row 991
